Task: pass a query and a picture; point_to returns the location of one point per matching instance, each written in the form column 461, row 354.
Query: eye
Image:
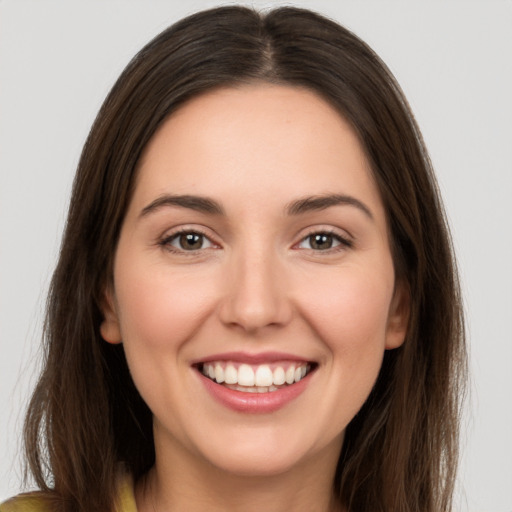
column 188, row 241
column 323, row 241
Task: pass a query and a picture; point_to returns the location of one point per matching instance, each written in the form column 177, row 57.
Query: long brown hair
column 86, row 417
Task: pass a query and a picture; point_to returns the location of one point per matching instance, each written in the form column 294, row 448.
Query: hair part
column 86, row 416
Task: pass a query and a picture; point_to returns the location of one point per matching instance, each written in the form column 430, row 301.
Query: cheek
column 159, row 308
column 350, row 318
column 159, row 312
column 350, row 308
column 345, row 310
column 348, row 312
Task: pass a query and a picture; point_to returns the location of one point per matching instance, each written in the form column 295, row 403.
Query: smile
column 262, row 378
column 260, row 383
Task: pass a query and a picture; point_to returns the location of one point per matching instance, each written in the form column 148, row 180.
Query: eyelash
column 167, row 240
column 343, row 242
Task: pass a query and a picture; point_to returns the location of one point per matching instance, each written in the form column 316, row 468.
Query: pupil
column 321, row 241
column 191, row 241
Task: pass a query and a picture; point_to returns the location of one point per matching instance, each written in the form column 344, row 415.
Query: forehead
column 255, row 141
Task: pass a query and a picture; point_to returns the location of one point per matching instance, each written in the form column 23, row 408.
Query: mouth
column 259, row 375
column 256, row 378
column 255, row 383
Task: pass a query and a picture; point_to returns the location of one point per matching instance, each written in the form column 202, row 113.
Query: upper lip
column 248, row 358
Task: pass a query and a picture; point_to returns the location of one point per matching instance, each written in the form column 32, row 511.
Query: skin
column 256, row 284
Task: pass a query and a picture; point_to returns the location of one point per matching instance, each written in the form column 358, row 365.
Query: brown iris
column 321, row 241
column 191, row 241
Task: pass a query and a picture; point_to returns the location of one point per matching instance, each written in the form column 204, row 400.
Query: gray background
column 454, row 61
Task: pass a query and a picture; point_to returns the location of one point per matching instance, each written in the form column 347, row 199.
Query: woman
column 255, row 305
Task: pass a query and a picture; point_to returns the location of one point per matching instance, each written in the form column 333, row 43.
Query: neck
column 180, row 483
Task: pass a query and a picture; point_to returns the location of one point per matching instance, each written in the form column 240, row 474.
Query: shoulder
column 125, row 493
column 29, row 502
column 41, row 502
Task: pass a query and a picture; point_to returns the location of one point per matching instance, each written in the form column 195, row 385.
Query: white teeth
column 252, row 389
column 278, row 377
column 245, row 375
column 219, row 373
column 290, row 375
column 261, row 379
column 231, row 375
column 264, row 376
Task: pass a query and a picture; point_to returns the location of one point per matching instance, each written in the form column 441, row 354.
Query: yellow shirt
column 35, row 502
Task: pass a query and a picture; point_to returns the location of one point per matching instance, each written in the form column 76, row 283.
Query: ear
column 398, row 319
column 109, row 327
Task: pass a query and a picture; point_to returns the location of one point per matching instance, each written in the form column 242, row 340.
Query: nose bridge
column 256, row 294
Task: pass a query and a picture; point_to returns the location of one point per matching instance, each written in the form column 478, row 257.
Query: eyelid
column 176, row 238
column 345, row 239
column 171, row 234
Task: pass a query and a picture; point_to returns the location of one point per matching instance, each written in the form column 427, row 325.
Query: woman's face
column 255, row 249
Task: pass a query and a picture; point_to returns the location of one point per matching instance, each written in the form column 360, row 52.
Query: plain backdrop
column 58, row 60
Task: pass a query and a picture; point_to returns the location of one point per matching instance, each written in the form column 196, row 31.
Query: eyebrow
column 316, row 203
column 197, row 203
column 210, row 206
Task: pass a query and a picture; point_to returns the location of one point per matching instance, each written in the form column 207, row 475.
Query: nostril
column 255, row 299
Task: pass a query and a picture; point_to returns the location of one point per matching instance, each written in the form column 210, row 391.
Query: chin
column 250, row 463
column 266, row 452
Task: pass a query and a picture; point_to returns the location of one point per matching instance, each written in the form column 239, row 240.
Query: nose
column 256, row 293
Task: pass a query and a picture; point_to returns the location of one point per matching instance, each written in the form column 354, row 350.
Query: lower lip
column 255, row 403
